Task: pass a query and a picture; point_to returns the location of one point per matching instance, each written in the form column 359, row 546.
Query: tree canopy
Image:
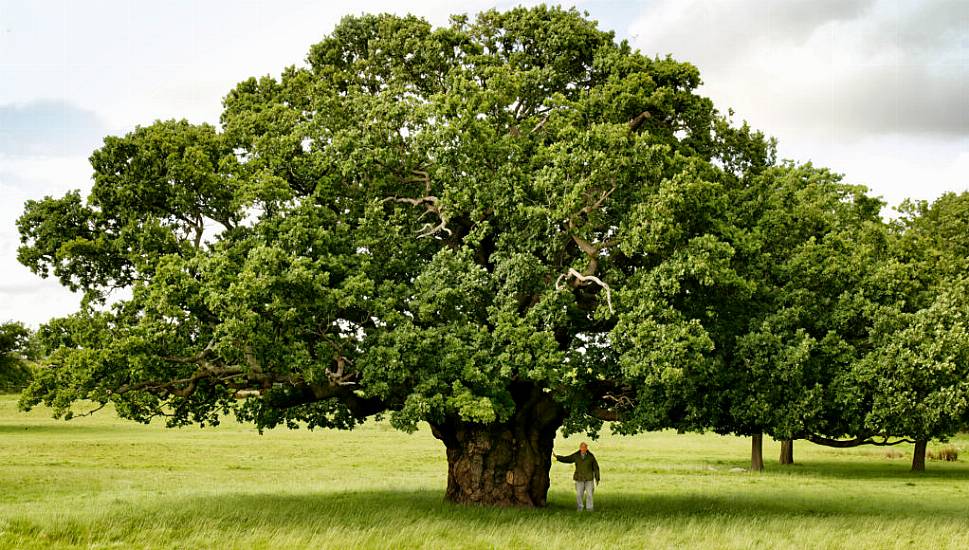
column 16, row 347
column 498, row 227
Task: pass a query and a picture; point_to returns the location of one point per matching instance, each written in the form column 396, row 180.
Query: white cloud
column 49, row 128
column 875, row 89
column 854, row 67
column 893, row 166
column 23, row 295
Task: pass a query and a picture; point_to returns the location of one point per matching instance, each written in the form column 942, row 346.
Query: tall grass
column 101, row 483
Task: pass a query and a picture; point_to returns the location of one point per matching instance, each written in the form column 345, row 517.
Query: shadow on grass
column 365, row 509
column 850, row 468
column 61, row 428
column 622, row 506
column 866, row 469
column 391, row 514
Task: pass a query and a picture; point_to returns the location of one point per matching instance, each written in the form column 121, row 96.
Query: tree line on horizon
column 502, row 227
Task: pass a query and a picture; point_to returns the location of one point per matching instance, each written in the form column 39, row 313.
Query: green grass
column 98, row 482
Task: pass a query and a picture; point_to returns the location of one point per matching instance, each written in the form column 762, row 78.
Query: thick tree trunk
column 757, row 453
column 787, row 451
column 502, row 464
column 918, row 457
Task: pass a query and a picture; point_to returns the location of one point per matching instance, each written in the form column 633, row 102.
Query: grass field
column 98, row 482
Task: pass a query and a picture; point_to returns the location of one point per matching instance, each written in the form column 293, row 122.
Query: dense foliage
column 16, row 351
column 498, row 227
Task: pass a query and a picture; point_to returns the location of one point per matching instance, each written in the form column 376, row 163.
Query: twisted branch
column 860, row 440
column 590, row 250
column 430, row 203
column 581, row 279
column 639, row 120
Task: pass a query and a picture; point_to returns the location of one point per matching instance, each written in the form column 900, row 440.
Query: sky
column 877, row 90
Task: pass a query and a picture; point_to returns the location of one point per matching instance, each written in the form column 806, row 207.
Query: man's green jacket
column 586, row 467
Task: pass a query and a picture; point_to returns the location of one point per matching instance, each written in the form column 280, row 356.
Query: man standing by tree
column 586, row 470
column 504, row 227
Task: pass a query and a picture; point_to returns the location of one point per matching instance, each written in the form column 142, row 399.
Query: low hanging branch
column 91, row 412
column 248, row 380
column 184, row 387
column 858, row 441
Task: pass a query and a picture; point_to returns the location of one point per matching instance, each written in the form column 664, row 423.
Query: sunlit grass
column 103, row 483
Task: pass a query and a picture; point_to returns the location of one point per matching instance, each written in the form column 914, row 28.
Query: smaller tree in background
column 898, row 332
column 919, row 374
column 15, row 351
column 854, row 333
column 802, row 235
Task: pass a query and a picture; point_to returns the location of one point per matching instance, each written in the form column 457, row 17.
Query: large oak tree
column 500, row 227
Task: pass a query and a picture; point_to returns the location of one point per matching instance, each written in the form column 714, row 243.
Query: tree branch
column 584, row 279
column 858, row 441
column 639, row 120
column 422, row 177
column 541, row 124
column 92, row 411
column 589, row 249
column 598, row 204
column 604, row 414
column 430, row 203
column 206, row 351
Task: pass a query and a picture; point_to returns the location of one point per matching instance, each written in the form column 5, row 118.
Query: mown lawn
column 98, row 482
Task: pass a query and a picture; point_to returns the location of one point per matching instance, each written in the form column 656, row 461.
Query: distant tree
column 15, row 340
column 802, row 238
column 845, row 284
column 780, row 361
column 918, row 375
column 894, row 330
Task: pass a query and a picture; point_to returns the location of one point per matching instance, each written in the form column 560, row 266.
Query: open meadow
column 99, row 482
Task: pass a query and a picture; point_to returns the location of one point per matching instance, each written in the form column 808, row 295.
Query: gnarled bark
column 502, row 464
